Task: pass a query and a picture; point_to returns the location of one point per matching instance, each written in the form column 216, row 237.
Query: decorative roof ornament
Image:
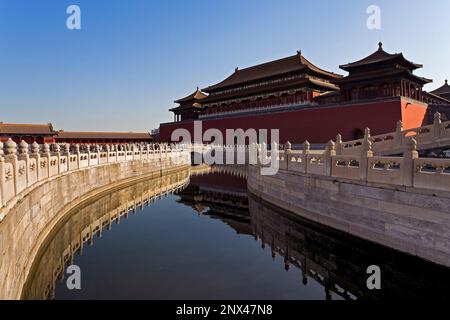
column 380, row 45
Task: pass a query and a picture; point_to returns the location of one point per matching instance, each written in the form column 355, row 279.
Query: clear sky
column 132, row 58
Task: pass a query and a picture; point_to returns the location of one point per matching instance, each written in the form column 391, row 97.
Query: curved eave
column 437, row 97
column 298, row 84
column 380, row 75
column 194, row 97
column 445, row 89
column 318, row 70
column 271, row 70
column 362, row 63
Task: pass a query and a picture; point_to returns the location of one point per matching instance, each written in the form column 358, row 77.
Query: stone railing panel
column 84, row 160
column 347, row 167
column 54, row 167
column 43, row 168
column 73, row 162
column 121, row 156
column 315, row 164
column 281, row 158
column 93, row 159
column 296, row 162
column 21, row 178
column 63, row 165
column 103, row 158
column 32, row 172
column 129, row 156
column 386, row 170
column 7, row 175
column 432, row 174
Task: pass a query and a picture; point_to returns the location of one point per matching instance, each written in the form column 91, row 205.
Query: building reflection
column 334, row 260
column 90, row 221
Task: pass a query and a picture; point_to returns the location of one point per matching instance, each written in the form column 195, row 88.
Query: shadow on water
column 211, row 240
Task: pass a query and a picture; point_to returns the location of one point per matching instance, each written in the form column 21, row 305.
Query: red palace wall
column 319, row 125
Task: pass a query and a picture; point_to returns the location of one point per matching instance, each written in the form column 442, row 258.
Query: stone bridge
column 39, row 189
column 402, row 202
column 429, row 137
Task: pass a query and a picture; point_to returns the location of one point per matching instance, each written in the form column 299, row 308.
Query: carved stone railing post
column 2, row 174
column 77, row 153
column 24, row 156
column 409, row 156
column 366, row 154
column 108, row 150
column 258, row 153
column 89, row 154
column 57, row 150
column 274, row 153
column 398, row 138
column 46, row 154
column 116, row 149
column 339, row 145
column 36, row 154
column 287, row 154
column 330, row 152
column 306, row 152
column 98, row 151
column 437, row 122
column 66, row 155
column 11, row 157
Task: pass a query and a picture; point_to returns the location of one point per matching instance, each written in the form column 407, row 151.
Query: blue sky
column 132, row 58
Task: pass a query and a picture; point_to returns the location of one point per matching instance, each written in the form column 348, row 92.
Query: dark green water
column 210, row 240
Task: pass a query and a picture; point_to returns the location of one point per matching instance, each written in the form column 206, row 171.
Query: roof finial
column 299, row 52
column 446, row 81
column 236, row 69
column 380, row 45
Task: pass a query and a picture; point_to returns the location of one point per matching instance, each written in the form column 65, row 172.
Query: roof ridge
column 265, row 63
column 25, row 124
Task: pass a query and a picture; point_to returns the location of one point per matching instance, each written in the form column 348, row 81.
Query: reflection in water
column 200, row 244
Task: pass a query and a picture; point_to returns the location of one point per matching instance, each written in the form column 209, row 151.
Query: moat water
column 203, row 237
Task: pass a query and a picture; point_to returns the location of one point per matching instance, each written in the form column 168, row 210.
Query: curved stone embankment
column 29, row 218
column 411, row 220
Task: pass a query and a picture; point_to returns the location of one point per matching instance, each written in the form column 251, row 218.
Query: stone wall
column 29, row 216
column 411, row 220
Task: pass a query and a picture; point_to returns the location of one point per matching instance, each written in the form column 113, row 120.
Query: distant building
column 41, row 133
column 44, row 133
column 309, row 103
column 443, row 92
column 103, row 137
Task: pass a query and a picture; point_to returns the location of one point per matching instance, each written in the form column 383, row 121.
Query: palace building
column 44, row 133
column 306, row 102
column 443, row 91
column 41, row 133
